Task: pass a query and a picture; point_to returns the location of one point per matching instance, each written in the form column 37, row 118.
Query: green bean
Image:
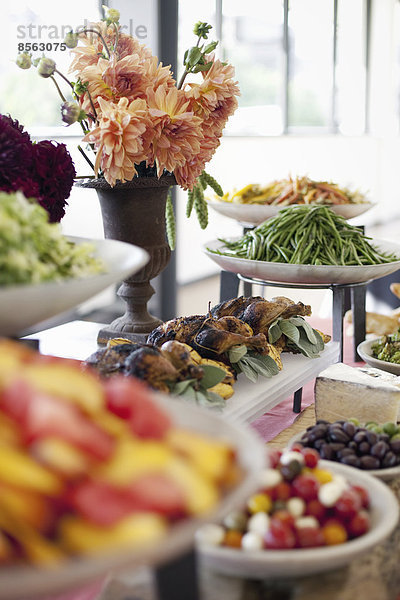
column 307, row 235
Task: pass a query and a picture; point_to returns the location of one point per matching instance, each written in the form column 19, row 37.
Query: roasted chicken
column 159, row 367
column 210, row 336
column 258, row 312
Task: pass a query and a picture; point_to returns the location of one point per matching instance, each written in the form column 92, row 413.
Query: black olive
column 319, row 443
column 369, row 462
column 351, row 459
column 379, row 449
column 326, row 452
column 338, row 435
column 291, row 470
column 349, row 428
column 395, row 446
column 352, row 444
column 360, row 436
column 389, row 460
column 364, row 448
column 372, row 437
column 345, row 452
column 337, row 446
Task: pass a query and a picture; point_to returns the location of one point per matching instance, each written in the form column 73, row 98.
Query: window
column 26, row 96
column 302, row 64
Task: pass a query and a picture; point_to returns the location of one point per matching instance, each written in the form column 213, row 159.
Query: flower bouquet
column 136, row 119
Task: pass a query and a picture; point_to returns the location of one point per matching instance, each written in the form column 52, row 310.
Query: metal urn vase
column 134, row 212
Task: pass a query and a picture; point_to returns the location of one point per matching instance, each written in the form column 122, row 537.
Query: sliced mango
column 62, row 457
column 211, row 457
column 67, row 381
column 131, row 459
column 20, row 470
column 200, row 492
column 77, row 535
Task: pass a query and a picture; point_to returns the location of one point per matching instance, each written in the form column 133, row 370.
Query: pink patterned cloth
column 90, row 592
column 282, row 416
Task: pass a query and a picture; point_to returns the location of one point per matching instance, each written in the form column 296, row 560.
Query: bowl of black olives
column 371, row 447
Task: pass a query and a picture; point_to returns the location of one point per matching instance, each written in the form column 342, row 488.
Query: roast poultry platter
column 201, row 356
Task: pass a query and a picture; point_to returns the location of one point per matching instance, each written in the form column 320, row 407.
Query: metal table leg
column 229, row 286
column 358, row 311
column 337, row 317
column 177, row 580
column 297, row 400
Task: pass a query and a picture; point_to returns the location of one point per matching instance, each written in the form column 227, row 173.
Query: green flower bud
column 36, row 61
column 111, row 14
column 201, row 29
column 24, row 60
column 70, row 112
column 80, row 87
column 71, row 40
column 46, row 67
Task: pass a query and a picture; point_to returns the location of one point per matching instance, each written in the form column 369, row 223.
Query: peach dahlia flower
column 121, row 138
column 177, row 130
column 214, row 99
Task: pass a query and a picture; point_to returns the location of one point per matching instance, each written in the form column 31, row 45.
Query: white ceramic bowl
column 308, row 274
column 262, row 564
column 365, row 352
column 254, row 214
column 23, row 306
column 21, row 583
column 383, row 474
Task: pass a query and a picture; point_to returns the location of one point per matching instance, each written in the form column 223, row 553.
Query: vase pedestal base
column 107, row 334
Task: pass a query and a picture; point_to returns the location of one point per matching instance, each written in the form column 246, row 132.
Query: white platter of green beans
column 308, row 245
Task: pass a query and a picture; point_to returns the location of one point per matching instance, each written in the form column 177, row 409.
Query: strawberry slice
column 41, row 415
column 132, row 400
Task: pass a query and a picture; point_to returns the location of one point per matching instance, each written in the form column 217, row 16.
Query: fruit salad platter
column 99, row 475
column 308, row 516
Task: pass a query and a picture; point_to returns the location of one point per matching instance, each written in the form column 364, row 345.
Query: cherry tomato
column 282, row 491
column 316, row 509
column 348, row 504
column 305, row 486
column 334, row 532
column 308, row 537
column 233, row 538
column 284, row 516
column 273, row 456
column 279, row 536
column 311, row 457
column 359, row 524
column 259, row 503
column 362, row 492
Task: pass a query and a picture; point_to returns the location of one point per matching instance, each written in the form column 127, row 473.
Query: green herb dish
column 33, row 251
column 387, row 348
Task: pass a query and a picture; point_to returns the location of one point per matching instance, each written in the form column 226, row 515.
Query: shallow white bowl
column 383, row 474
column 254, row 214
column 308, row 274
column 22, row 306
column 262, row 564
column 365, row 352
column 21, row 583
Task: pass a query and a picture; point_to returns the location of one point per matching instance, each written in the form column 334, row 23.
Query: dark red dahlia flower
column 15, row 153
column 55, row 173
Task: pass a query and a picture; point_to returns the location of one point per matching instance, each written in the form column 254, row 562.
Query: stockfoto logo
column 58, row 32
